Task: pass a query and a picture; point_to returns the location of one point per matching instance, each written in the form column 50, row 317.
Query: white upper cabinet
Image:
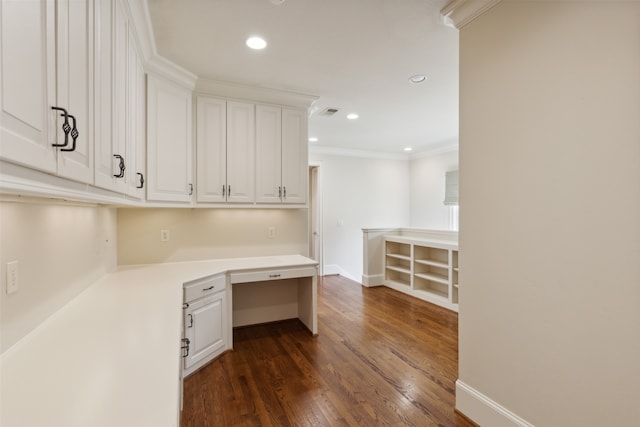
column 225, row 147
column 120, row 103
column 47, row 53
column 75, row 87
column 240, row 152
column 136, row 121
column 281, row 151
column 211, row 149
column 268, row 153
column 168, row 141
column 295, row 157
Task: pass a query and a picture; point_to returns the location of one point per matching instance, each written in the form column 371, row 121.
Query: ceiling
column 355, row 55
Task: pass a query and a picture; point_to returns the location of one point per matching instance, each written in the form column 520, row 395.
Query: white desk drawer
column 275, row 274
column 203, row 287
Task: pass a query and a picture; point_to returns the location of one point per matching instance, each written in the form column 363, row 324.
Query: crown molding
column 351, row 152
column 254, row 93
column 458, row 13
column 153, row 62
column 435, row 149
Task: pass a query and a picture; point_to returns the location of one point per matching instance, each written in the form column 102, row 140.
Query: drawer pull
column 208, row 289
column 273, row 276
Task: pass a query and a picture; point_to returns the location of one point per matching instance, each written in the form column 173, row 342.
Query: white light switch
column 12, row 277
column 164, row 235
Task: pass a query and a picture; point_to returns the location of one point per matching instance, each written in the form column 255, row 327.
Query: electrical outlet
column 271, row 232
column 164, row 235
column 12, row 277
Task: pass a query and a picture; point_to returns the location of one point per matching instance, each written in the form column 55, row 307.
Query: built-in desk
column 111, row 356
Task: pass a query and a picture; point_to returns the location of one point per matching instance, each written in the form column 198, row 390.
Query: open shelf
column 433, row 277
column 398, row 276
column 398, row 256
column 429, row 286
column 432, row 263
column 398, row 269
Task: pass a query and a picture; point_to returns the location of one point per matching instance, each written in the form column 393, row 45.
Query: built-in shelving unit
column 427, row 269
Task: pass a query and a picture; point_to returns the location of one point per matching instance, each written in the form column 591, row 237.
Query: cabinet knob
column 141, row 180
column 190, row 189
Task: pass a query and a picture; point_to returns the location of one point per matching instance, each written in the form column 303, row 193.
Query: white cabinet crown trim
column 458, row 13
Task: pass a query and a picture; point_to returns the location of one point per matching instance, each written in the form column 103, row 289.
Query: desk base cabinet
column 207, row 332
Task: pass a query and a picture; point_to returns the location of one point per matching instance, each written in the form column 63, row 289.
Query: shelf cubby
column 436, row 288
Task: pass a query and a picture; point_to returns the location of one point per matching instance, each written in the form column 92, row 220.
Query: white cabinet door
column 120, row 107
column 74, row 74
column 168, row 141
column 137, row 101
column 295, row 161
column 268, row 154
column 205, row 326
column 27, row 90
column 211, row 149
column 281, row 149
column 240, row 152
column 47, row 61
column 110, row 95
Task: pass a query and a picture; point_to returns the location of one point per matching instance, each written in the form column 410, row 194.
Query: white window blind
column 451, row 189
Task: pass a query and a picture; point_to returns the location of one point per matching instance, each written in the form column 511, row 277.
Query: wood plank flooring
column 381, row 358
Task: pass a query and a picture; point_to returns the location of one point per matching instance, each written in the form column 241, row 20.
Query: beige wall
column 209, row 233
column 550, row 211
column 61, row 250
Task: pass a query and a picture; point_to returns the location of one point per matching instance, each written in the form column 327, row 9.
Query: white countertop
column 429, row 241
column 111, row 356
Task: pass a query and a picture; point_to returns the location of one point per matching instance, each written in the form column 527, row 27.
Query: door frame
column 315, row 212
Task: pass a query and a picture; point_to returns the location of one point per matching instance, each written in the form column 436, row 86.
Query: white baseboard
column 372, row 280
column 484, row 411
column 330, row 269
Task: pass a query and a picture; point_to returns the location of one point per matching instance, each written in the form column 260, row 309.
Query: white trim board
column 333, row 269
column 483, row 410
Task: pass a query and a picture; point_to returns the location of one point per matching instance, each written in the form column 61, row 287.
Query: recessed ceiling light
column 313, row 139
column 418, row 78
column 256, row 43
column 408, row 149
column 352, row 116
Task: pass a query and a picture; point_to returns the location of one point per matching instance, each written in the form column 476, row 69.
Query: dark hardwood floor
column 380, row 358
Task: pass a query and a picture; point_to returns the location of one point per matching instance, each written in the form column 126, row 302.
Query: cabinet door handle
column 190, row 320
column 141, row 180
column 190, row 189
column 279, row 192
column 185, row 347
column 185, row 305
column 74, row 135
column 273, row 276
column 228, row 191
column 65, row 126
column 284, row 192
column 208, row 289
column 224, row 190
column 120, row 165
